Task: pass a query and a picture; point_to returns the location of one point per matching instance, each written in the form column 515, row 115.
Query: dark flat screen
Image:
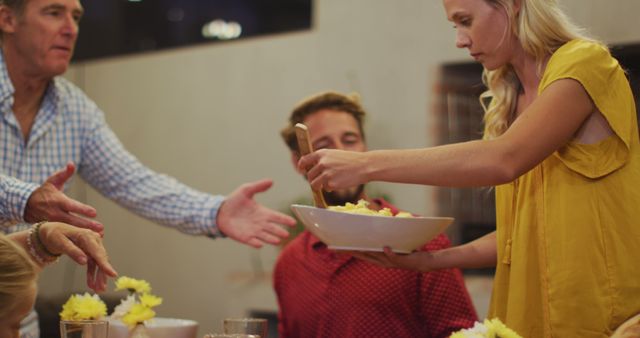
column 117, row 27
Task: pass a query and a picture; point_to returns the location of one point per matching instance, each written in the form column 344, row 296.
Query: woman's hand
column 83, row 246
column 331, row 169
column 418, row 261
column 480, row 253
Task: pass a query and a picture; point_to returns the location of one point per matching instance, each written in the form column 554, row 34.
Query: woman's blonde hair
column 541, row 28
column 17, row 275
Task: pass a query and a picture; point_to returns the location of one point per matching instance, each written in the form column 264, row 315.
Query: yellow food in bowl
column 361, row 208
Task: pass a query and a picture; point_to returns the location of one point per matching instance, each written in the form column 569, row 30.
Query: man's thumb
column 257, row 187
column 60, row 177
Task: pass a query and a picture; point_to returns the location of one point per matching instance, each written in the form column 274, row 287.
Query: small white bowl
column 358, row 232
column 158, row 328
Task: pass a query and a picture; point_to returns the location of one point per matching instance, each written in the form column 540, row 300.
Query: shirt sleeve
column 445, row 304
column 14, row 195
column 118, row 175
column 603, row 79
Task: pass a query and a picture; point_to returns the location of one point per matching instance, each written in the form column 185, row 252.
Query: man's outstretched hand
column 48, row 202
column 241, row 218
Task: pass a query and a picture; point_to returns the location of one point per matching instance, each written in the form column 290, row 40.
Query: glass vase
column 139, row 331
column 84, row 328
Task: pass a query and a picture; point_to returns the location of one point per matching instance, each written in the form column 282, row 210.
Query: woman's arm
column 546, row 125
column 480, row 253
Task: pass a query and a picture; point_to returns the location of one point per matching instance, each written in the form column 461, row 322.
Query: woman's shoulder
column 583, row 46
column 583, row 60
column 581, row 52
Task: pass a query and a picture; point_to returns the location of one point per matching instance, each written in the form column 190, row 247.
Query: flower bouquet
column 493, row 328
column 83, row 316
column 137, row 308
column 133, row 317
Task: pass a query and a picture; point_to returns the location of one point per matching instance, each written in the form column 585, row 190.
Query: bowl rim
column 304, row 206
column 183, row 322
column 310, row 215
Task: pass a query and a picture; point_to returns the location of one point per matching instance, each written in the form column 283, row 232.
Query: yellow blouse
column 568, row 231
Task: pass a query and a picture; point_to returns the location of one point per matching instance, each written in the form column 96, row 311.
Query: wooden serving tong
column 305, row 147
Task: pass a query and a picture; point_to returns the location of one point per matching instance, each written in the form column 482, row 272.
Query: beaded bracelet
column 32, row 248
column 40, row 243
column 34, row 243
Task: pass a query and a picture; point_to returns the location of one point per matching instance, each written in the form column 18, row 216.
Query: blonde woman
column 560, row 146
column 23, row 254
column 18, row 286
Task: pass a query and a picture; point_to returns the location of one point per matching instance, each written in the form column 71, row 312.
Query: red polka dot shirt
column 322, row 293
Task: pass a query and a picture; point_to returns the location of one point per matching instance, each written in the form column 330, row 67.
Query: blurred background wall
column 210, row 116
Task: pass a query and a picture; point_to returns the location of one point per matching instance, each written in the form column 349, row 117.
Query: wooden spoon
column 305, row 147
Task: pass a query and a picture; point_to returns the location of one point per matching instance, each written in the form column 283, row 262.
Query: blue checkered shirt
column 70, row 127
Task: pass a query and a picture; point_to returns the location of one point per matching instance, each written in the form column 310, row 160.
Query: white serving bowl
column 358, row 232
column 158, row 328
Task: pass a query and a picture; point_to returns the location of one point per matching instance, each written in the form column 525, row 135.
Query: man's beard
column 341, row 197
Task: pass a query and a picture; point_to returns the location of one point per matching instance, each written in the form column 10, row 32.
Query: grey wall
column 210, row 116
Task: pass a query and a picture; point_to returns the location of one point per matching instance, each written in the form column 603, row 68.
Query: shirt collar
column 6, row 87
column 7, row 90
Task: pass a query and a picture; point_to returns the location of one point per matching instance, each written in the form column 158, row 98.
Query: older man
column 49, row 127
column 48, row 123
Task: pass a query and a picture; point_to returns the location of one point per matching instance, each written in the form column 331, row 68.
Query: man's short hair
column 349, row 104
column 16, row 5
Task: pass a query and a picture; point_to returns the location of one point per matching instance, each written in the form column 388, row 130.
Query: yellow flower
column 137, row 307
column 493, row 328
column 133, row 285
column 83, row 307
column 138, row 314
column 68, row 309
column 150, row 300
column 498, row 329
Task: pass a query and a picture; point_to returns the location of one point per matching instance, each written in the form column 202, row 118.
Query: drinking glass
column 253, row 326
column 84, row 328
